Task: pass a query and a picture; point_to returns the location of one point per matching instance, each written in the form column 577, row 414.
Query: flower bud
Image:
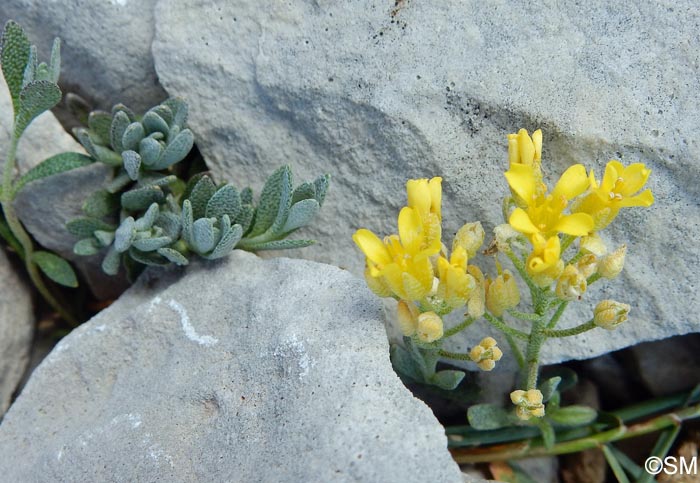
column 593, row 244
column 486, row 354
column 505, row 235
column 429, row 327
column 502, row 294
column 476, row 305
column 407, row 315
column 529, row 403
column 611, row 265
column 377, row 284
column 587, row 265
column 470, row 237
column 608, row 314
column 571, row 285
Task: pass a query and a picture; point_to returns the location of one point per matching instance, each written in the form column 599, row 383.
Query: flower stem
column 498, row 323
column 557, row 315
column 454, row 355
column 524, row 316
column 458, row 328
column 532, row 353
column 579, row 329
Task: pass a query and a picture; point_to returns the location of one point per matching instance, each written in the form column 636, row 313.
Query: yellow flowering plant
column 550, row 238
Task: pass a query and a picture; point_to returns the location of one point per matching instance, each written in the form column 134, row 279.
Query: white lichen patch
column 187, row 327
column 293, row 350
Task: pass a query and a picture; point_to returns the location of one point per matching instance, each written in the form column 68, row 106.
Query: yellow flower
column 544, row 213
column 523, row 149
column 403, row 261
column 407, row 315
column 455, row 285
column 544, row 264
column 486, row 354
column 528, row 403
column 618, row 189
column 430, row 327
column 502, row 293
column 476, row 306
column 608, row 314
column 426, row 198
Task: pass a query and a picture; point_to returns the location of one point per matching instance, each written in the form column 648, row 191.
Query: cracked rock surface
column 378, row 92
column 241, row 370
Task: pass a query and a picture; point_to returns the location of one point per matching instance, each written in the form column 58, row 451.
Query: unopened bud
column 407, row 315
column 502, row 294
column 430, row 327
column 470, row 237
column 529, row 403
column 505, row 236
column 587, row 265
column 486, row 354
column 593, row 244
column 608, row 314
column 476, row 305
column 377, row 284
column 571, row 284
column 611, row 265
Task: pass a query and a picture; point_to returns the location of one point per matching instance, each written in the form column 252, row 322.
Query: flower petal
column 645, row 198
column 572, row 183
column 418, row 195
column 410, row 229
column 372, row 246
column 578, row 224
column 521, row 222
column 521, row 179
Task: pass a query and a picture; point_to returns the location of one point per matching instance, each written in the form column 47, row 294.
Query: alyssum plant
column 551, row 240
column 147, row 214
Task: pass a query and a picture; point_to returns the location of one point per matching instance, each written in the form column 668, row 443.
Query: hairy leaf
column 120, row 122
column 200, row 196
column 548, row 387
column 85, row 227
column 55, row 62
column 204, row 235
column 164, row 112
column 141, row 198
column 321, row 183
column 151, row 151
column 110, row 264
column 34, row 99
column 14, row 58
column 86, row 247
column 101, row 203
column 247, row 196
column 154, row 123
column 275, row 245
column 176, row 150
column 104, row 238
column 100, row 123
column 179, row 109
column 152, row 244
column 489, row 416
column 301, row 214
column 125, row 235
column 447, row 379
column 56, row 268
column 303, row 192
column 148, row 218
column 56, row 164
column 573, row 415
column 187, row 222
column 245, row 217
column 274, row 201
column 173, row 255
column 107, row 156
column 118, row 182
column 147, row 258
column 133, row 135
column 405, row 364
column 170, row 223
column 132, row 163
column 227, row 243
column 225, row 201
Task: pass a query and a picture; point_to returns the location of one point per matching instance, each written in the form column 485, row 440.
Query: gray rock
column 382, row 92
column 669, row 366
column 240, row 370
column 16, row 329
column 106, row 54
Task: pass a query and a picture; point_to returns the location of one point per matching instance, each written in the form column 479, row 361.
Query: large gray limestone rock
column 240, row 370
column 106, row 52
column 16, row 329
column 385, row 91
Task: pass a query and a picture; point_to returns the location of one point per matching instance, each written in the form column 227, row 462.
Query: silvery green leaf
column 186, row 217
column 84, row 138
column 101, row 203
column 172, row 134
column 105, row 238
column 148, row 218
column 55, row 63
column 245, row 217
column 247, row 196
column 224, row 224
column 78, row 107
column 164, row 112
column 447, row 379
column 13, row 59
column 152, row 122
column 572, row 415
column 173, row 255
column 404, row 364
column 304, row 191
column 100, row 123
column 176, row 150
column 191, row 183
column 147, row 258
column 141, row 198
column 30, row 69
column 122, row 108
column 132, row 163
column 107, row 156
column 156, row 179
column 150, row 151
column 35, row 98
column 56, row 268
column 274, row 201
column 110, row 264
column 225, row 201
column 489, row 416
column 548, row 387
column 133, row 135
column 301, row 214
column 204, row 235
column 227, row 243
column 178, row 106
column 200, row 195
column 120, row 122
column 118, row 182
column 86, row 247
column 321, row 183
column 56, row 164
column 275, row 245
column 85, row 227
column 125, row 235
column 170, row 223
column 152, row 244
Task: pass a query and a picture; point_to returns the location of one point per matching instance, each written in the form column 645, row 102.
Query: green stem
column 520, row 267
column 458, row 328
column 532, row 353
column 534, row 447
column 9, row 168
column 498, row 323
column 454, row 355
column 593, row 278
column 557, row 315
column 524, row 316
column 579, row 329
column 566, row 242
column 615, row 465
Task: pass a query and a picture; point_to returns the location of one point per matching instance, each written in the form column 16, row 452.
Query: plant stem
column 557, row 315
column 615, row 465
column 520, row 267
column 534, row 447
column 524, row 316
column 566, row 242
column 458, row 328
column 498, row 323
column 454, row 355
column 532, row 353
column 579, row 329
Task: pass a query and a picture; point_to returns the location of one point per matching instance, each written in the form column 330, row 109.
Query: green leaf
column 85, row 227
column 173, row 255
column 152, row 244
column 447, row 379
column 247, row 196
column 150, row 150
column 489, row 416
column 56, row 268
column 101, row 203
column 321, row 183
column 86, row 247
column 548, row 387
column 547, row 431
column 55, row 63
column 176, row 150
column 120, row 122
column 225, row 201
column 147, row 258
column 100, row 123
column 200, row 196
column 187, row 221
column 304, row 191
column 568, row 377
column 271, row 201
column 14, row 58
column 141, row 198
column 56, row 164
column 34, row 99
column 132, row 162
column 275, row 245
column 118, row 182
column 227, row 243
column 405, row 364
column 245, row 217
column 301, row 214
column 110, row 264
column 133, row 135
column 204, row 235
column 178, row 106
column 154, row 123
column 573, row 415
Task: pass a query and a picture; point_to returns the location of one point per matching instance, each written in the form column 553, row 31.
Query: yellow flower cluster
column 542, row 215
